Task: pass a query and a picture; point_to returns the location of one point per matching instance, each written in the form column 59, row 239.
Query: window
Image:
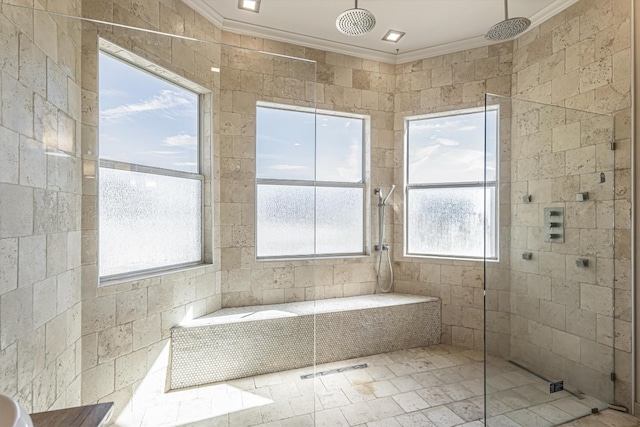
column 310, row 193
column 448, row 214
column 150, row 186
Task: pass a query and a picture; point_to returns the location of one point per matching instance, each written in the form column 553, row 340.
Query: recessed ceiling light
column 250, row 5
column 393, row 36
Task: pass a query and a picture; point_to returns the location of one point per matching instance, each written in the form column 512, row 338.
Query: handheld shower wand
column 381, row 246
column 382, row 202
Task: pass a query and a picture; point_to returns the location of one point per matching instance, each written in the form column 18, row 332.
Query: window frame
column 128, row 58
column 453, row 185
column 363, row 185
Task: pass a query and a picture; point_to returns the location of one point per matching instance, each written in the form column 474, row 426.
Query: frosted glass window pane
column 285, row 220
column 147, row 221
column 146, row 120
column 340, row 220
column 451, row 149
column 451, row 221
column 296, row 145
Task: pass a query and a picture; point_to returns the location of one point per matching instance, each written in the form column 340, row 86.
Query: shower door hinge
column 613, row 146
column 613, row 376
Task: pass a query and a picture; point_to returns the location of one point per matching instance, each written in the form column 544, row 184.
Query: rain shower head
column 355, row 22
column 508, row 28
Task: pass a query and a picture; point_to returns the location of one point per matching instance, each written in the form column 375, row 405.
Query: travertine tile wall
column 40, row 191
column 562, row 315
column 445, row 83
column 579, row 59
column 338, row 82
column 126, row 326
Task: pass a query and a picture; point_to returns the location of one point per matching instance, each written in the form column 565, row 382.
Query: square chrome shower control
column 554, row 225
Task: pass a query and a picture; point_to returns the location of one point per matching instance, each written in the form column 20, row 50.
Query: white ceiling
column 433, row 27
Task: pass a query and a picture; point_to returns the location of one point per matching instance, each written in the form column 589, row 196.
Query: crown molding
column 443, row 49
column 550, row 11
column 307, row 41
column 244, row 28
column 207, row 11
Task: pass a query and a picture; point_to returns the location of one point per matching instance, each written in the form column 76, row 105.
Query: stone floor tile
column 389, row 422
column 457, row 392
column 335, row 381
column 405, row 383
column 276, row 411
column 358, row 376
column 380, row 373
column 358, row 413
column 427, row 379
column 467, row 410
column 245, row 418
column 305, row 404
column 358, row 393
column 330, row 418
column 440, row 386
column 526, row 418
column 434, row 396
column 410, row 401
column 442, row 416
column 284, row 391
column 383, row 388
column 385, row 408
column 414, row 419
column 501, row 421
column 300, row 421
column 333, row 399
column 552, row 413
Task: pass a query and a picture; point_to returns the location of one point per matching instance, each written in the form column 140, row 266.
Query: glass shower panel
column 229, row 334
column 549, row 298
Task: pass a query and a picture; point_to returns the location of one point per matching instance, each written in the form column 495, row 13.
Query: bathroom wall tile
column 596, row 299
column 114, row 342
column 8, row 374
column 65, row 372
column 16, row 210
column 98, row 382
column 56, row 253
column 130, row 368
column 131, row 305
column 45, row 211
column 44, row 292
column 16, row 315
column 17, row 106
column 9, row 156
column 98, row 314
column 56, row 338
column 31, row 357
column 44, row 388
column 8, row 265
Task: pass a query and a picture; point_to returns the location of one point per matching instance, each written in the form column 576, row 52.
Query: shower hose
column 378, row 277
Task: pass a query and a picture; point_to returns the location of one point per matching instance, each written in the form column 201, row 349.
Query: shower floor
column 439, row 386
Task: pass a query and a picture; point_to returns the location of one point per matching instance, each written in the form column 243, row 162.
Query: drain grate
column 334, row 371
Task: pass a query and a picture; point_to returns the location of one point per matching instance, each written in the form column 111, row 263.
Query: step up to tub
column 240, row 342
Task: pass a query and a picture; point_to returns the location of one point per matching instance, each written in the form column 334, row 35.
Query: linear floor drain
column 334, row 371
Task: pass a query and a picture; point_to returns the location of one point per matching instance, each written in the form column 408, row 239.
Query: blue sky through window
column 451, row 149
column 289, row 146
column 146, row 120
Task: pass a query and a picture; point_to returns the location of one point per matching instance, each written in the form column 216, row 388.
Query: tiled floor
column 439, row 386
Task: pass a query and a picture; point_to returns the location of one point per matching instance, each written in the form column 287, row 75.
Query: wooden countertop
column 81, row 416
